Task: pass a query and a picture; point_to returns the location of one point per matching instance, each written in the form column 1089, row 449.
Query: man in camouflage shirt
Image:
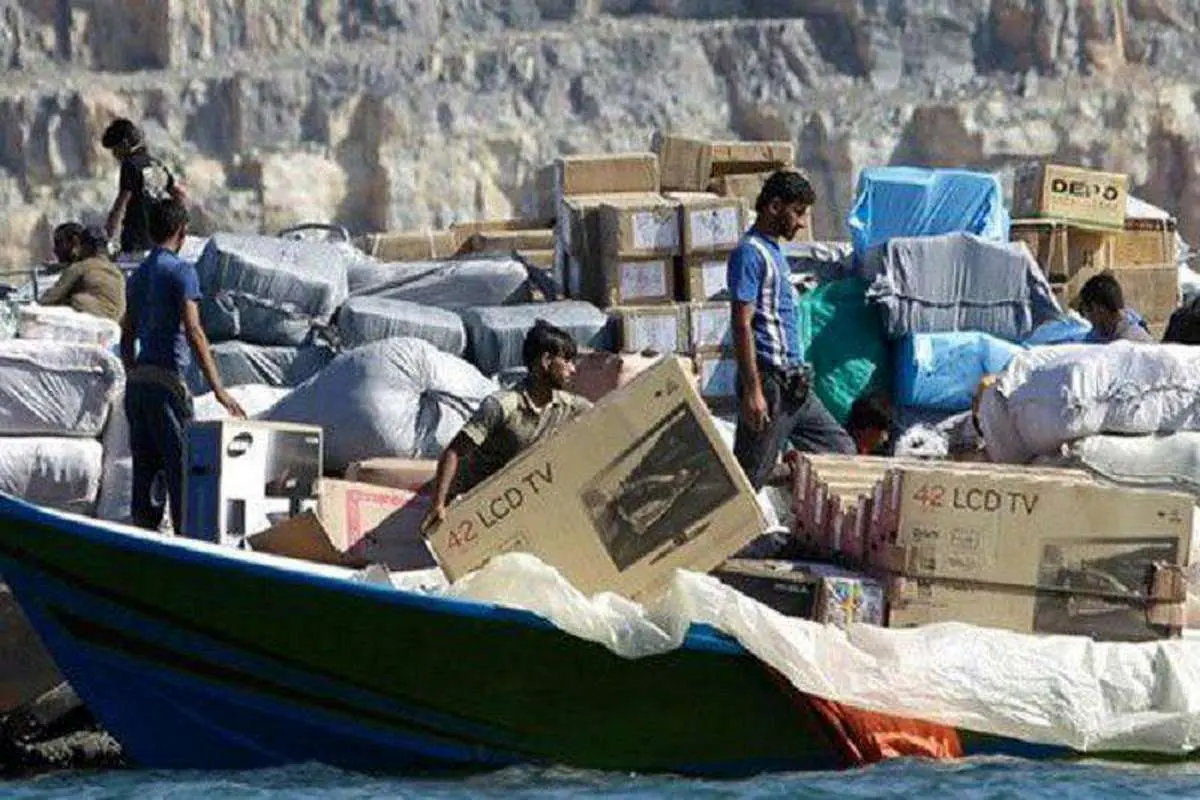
column 510, row 421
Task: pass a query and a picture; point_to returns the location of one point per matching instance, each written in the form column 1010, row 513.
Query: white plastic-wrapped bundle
column 255, row 400
column 275, row 290
column 240, row 364
column 451, row 285
column 365, row 319
column 1056, row 395
column 56, row 388
column 496, row 334
column 52, row 471
column 396, row 397
column 65, row 324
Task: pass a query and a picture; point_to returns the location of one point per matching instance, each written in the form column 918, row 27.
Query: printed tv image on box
column 656, row 494
column 1102, row 587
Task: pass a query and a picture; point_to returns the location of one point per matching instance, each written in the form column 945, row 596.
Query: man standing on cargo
column 162, row 319
column 144, row 181
column 511, row 421
column 772, row 383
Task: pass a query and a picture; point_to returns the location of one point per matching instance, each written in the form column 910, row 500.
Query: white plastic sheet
column 1054, row 690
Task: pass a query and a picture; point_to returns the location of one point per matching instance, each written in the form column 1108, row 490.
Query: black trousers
column 799, row 416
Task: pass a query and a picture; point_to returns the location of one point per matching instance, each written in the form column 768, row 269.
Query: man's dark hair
column 1102, row 291
column 787, row 186
column 546, row 339
column 165, row 219
column 872, row 412
column 121, row 133
column 1184, row 326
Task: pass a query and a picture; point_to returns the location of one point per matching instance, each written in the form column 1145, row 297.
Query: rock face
column 394, row 114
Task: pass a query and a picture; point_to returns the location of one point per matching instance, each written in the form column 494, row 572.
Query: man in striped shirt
column 775, row 403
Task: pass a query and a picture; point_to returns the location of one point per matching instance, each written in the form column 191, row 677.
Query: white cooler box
column 244, row 476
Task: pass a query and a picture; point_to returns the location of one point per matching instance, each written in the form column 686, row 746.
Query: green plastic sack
column 841, row 337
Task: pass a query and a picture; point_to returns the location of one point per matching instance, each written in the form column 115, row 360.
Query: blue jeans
column 158, row 418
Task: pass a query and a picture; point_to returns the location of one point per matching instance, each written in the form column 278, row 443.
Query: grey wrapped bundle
column 242, row 364
column 365, row 319
column 278, row 288
column 496, row 334
column 398, row 397
column 57, row 388
column 960, row 282
column 451, row 285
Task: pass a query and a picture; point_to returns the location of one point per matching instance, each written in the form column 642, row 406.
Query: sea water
column 975, row 778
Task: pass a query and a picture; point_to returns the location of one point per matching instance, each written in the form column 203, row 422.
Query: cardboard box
column 417, row 246
column 599, row 373
column 355, row 524
column 710, row 328
column 700, row 278
column 637, row 225
column 396, row 473
column 1038, row 552
column 1151, row 291
column 624, row 281
column 501, row 228
column 509, row 241
column 243, row 476
column 817, row 592
column 688, row 164
column 1146, row 243
column 1062, row 250
column 607, row 174
column 542, row 259
column 662, row 329
column 1079, row 196
column 639, row 486
column 708, row 223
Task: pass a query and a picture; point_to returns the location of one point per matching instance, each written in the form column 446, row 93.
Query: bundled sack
column 255, row 399
column 65, row 324
column 1070, row 328
column 397, row 397
column 941, row 371
column 823, row 261
column 961, row 282
column 496, row 334
column 902, row 202
column 56, row 388
column 842, row 339
column 55, row 472
column 241, row 364
column 365, row 319
column 452, row 285
column 1056, row 395
column 279, row 288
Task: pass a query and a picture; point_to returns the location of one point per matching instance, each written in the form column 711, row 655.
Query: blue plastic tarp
column 942, row 370
column 909, row 201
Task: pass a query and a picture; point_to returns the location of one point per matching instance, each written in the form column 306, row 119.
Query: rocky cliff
column 403, row 113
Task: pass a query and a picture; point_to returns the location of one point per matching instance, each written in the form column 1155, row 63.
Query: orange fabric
column 865, row 737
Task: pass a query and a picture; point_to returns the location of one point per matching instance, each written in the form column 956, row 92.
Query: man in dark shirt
column 510, row 421
column 144, row 181
column 161, row 321
column 1102, row 302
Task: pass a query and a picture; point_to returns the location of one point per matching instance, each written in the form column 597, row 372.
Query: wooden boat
column 195, row 656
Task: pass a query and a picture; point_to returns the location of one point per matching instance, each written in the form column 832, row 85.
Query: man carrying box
column 774, row 399
column 510, row 421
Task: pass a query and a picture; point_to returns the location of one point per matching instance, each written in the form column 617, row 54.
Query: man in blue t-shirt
column 775, row 403
column 161, row 324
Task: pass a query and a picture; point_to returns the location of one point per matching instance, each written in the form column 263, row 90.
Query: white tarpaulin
column 56, row 388
column 1055, row 690
column 65, row 324
column 51, row 471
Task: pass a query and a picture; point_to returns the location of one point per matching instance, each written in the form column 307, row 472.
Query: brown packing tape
column 1169, row 583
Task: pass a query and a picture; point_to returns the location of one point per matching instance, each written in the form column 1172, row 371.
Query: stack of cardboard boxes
column 1074, row 221
column 1027, row 549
